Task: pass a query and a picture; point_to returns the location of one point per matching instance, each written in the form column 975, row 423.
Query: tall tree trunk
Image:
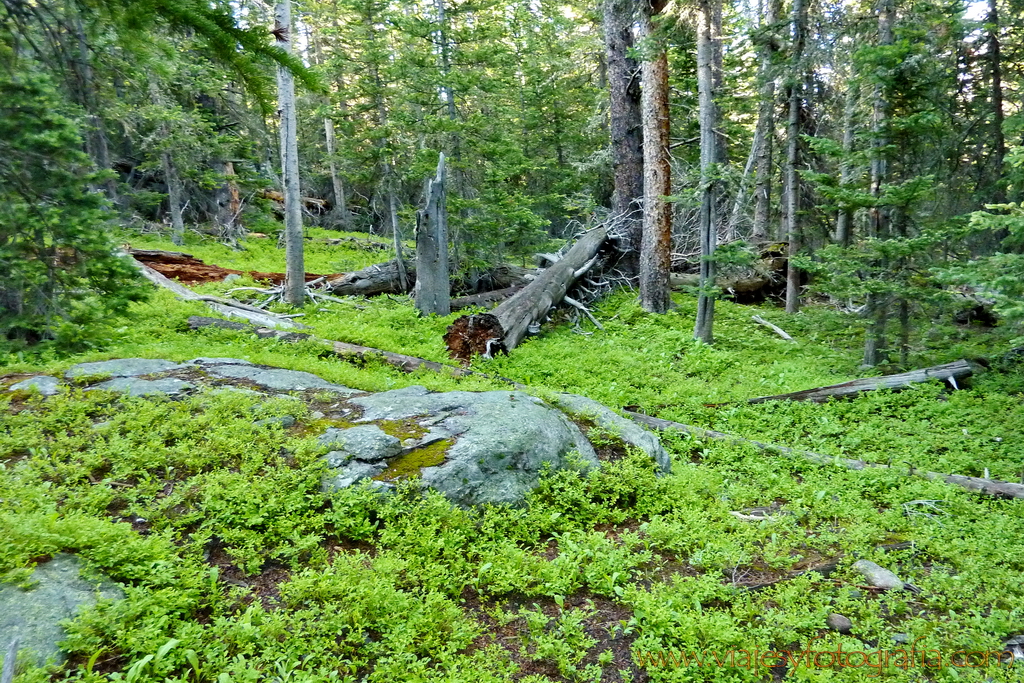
column 878, row 305
column 229, row 202
column 340, row 210
column 97, row 145
column 171, row 179
column 765, row 122
column 707, row 37
column 844, row 219
column 996, row 98
column 799, row 24
column 295, row 274
column 626, row 129
column 656, row 240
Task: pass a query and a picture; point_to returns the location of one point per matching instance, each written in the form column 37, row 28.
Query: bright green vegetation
column 232, row 556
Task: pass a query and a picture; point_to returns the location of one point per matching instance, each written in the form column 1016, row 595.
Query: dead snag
column 949, row 372
column 433, row 286
column 502, row 329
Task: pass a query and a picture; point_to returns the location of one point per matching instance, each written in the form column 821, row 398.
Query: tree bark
column 996, row 97
column 844, row 220
column 656, row 238
column 765, row 131
column 340, row 209
column 229, row 202
column 878, row 304
column 793, row 232
column 626, row 130
column 433, row 285
column 295, row 285
column 502, row 329
column 709, row 158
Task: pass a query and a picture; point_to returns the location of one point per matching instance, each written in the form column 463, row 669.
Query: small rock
column 1015, row 640
column 338, row 458
column 203, row 360
column 901, row 638
column 133, row 386
column 367, row 443
column 101, row 425
column 123, row 367
column 44, row 384
column 285, row 421
column 231, row 277
column 317, row 415
column 837, row 622
column 350, row 474
column 878, row 576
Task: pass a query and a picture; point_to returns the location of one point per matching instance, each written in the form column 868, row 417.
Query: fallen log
column 503, row 328
column 990, row 487
column 349, row 352
column 485, row 299
column 949, row 372
column 192, row 271
column 380, row 278
column 231, row 309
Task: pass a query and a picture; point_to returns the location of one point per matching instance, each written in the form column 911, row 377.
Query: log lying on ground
column 988, row 486
column 350, row 352
column 503, row 328
column 192, row 271
column 950, row 372
column 486, row 299
column 380, row 278
column 232, row 309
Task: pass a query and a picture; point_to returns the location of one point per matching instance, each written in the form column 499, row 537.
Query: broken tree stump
column 502, row 329
column 433, row 286
column 949, row 372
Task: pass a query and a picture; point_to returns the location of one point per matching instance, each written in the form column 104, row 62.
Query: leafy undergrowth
column 237, row 567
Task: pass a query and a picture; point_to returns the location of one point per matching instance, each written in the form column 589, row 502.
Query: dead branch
column 774, row 328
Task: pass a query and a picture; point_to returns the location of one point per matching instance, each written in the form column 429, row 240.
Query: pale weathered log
column 485, row 299
column 10, row 660
column 991, row 487
column 380, row 278
column 949, row 372
column 503, row 328
column 774, row 328
column 222, row 306
column 433, row 285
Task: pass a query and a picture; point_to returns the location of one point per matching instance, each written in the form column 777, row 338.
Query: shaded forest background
column 882, row 141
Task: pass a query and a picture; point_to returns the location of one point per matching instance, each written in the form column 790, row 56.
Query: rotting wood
column 190, row 270
column 229, row 308
column 350, row 352
column 774, row 328
column 502, row 329
column 987, row 486
column 951, row 373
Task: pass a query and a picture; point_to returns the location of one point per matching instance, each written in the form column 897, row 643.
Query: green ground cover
column 241, row 570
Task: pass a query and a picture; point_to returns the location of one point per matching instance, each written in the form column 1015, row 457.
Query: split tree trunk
column 433, row 286
column 295, row 285
column 229, row 202
column 501, row 330
column 340, row 209
column 844, row 221
column 799, row 23
column 626, row 129
column 949, row 372
column 656, row 238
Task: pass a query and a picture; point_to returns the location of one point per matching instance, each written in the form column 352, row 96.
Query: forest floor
column 232, row 556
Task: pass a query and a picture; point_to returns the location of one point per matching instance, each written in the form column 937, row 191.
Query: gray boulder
column 504, row 439
column 133, row 386
column 628, row 431
column 57, row 592
column 123, row 367
column 44, row 384
column 877, row 576
column 277, row 379
column 355, row 471
column 367, row 443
